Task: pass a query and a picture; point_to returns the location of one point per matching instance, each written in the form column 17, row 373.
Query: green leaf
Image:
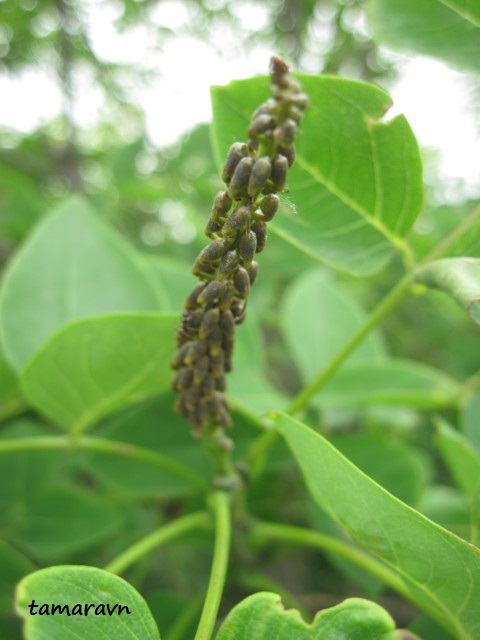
column 403, row 476
column 393, row 382
column 440, row 571
column 13, row 566
column 459, row 278
column 154, row 425
column 357, row 182
column 470, row 418
column 95, row 366
column 262, row 617
column 61, row 521
column 77, row 587
column 11, row 400
column 460, row 457
column 317, row 318
column 445, row 29
column 72, row 266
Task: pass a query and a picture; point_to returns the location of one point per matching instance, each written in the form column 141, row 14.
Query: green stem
column 263, row 532
column 110, row 447
column 153, row 540
column 391, row 300
column 223, row 532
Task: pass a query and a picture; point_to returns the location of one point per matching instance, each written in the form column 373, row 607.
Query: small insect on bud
column 237, row 151
column 285, row 133
column 183, row 379
column 279, row 172
column 289, row 153
column 228, row 264
column 252, row 272
column 261, row 125
column 197, row 350
column 191, row 300
column 209, row 322
column 261, row 171
column 259, row 228
column 237, row 188
column 241, row 281
column 269, row 206
column 247, row 247
column 236, row 223
column 178, row 359
column 200, row 369
column 213, row 291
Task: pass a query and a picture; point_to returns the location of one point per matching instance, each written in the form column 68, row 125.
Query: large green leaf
column 72, row 266
column 440, row 571
column 396, row 382
column 77, row 587
column 13, row 566
column 263, row 617
column 11, row 400
column 459, row 278
column 445, row 29
column 357, row 183
column 317, row 318
column 95, row 366
column 460, row 457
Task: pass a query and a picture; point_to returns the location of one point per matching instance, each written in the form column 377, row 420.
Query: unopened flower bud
column 183, row 379
column 259, row 228
column 269, row 206
column 279, row 172
column 236, row 223
column 178, row 359
column 200, row 369
column 221, row 205
column 261, row 125
column 191, row 301
column 285, row 133
column 237, row 188
column 228, row 264
column 196, row 351
column 289, row 152
column 261, row 171
column 241, row 281
column 209, row 322
column 247, row 247
column 237, row 151
column 252, row 271
column 213, row 291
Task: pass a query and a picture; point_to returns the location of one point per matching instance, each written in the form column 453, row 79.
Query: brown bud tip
column 278, row 67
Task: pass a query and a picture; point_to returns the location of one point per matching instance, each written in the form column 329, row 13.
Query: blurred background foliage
column 160, row 199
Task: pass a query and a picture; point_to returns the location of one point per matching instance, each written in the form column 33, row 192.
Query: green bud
column 247, row 247
column 237, row 151
column 178, row 359
column 237, row 189
column 209, row 322
column 285, row 133
column 236, row 223
column 228, row 264
column 269, row 206
column 227, row 324
column 214, row 291
column 279, row 172
column 200, row 369
column 261, row 171
column 191, row 301
column 221, row 205
column 289, row 153
column 241, row 281
column 261, row 125
column 183, row 379
column 259, row 228
column 252, row 271
column 196, row 351
column 212, row 228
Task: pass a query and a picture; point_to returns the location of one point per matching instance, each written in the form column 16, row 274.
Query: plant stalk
column 223, row 532
column 153, row 540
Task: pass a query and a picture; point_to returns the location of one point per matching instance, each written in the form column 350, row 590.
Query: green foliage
column 357, row 202
column 262, row 616
column 448, row 588
column 82, row 586
column 445, row 29
column 389, row 438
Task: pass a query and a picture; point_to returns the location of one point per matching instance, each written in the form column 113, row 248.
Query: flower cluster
column 253, row 173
